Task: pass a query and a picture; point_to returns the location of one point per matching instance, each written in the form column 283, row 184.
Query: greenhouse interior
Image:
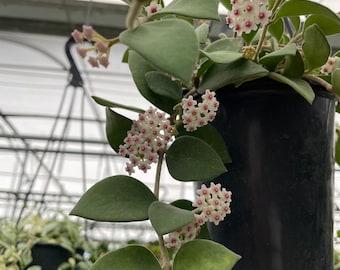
column 53, row 144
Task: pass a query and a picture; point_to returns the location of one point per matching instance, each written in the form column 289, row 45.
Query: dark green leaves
column 163, row 85
column 214, row 256
column 111, row 104
column 191, row 159
column 300, row 86
column 297, row 8
column 212, row 137
column 132, row 257
column 271, row 60
column 336, row 81
column 167, row 218
column 316, row 48
column 155, row 41
column 239, row 71
column 139, row 67
column 116, row 198
column 117, row 127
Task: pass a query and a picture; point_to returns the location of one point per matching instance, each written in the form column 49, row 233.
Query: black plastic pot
column 49, row 256
column 281, row 177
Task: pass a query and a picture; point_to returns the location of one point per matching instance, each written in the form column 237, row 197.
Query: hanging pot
column 49, row 256
column 281, row 177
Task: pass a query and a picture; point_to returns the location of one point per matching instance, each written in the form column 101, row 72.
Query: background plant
column 18, row 238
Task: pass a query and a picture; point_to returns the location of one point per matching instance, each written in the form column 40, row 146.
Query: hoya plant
column 177, row 67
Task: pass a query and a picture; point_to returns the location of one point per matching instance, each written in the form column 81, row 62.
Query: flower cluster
column 153, row 8
column 248, row 15
column 212, row 204
column 331, row 64
column 199, row 114
column 101, row 45
column 149, row 134
column 185, row 234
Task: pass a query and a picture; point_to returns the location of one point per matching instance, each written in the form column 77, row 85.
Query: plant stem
column 265, row 28
column 261, row 41
column 165, row 262
column 166, row 265
column 161, row 153
column 133, row 13
column 321, row 82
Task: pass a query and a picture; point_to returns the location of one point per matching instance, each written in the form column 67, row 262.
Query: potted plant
column 34, row 242
column 207, row 96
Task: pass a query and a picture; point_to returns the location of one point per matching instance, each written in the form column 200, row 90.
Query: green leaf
column 220, row 75
column 227, row 4
column 116, row 128
column 202, row 32
column 223, row 57
column 132, row 257
column 156, row 40
column 300, row 86
column 212, row 137
column 163, row 85
column 125, row 58
column 191, row 159
column 295, row 22
column 271, row 60
column 298, row 8
column 214, row 256
column 111, row 104
column 225, row 44
column 139, row 67
column 316, row 48
column 277, row 29
column 166, row 218
column 336, row 81
column 294, row 66
column 249, row 37
column 327, row 25
column 115, row 199
column 186, row 204
column 198, row 9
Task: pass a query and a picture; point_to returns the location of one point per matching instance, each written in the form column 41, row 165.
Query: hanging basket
column 281, row 177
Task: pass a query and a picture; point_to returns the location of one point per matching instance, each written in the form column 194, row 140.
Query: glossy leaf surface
column 132, row 257
column 191, row 159
column 167, row 218
column 214, row 256
column 116, row 198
